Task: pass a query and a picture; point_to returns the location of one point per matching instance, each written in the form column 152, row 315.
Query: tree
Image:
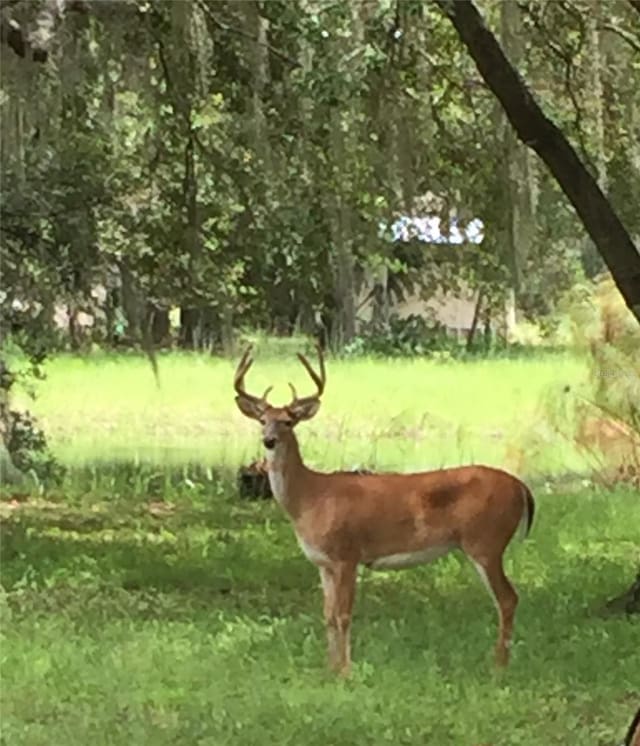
column 538, row 132
column 252, row 150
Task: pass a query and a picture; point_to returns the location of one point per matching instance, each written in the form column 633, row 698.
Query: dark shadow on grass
column 122, row 547
column 135, row 561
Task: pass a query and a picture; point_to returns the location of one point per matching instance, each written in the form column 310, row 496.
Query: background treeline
column 235, row 161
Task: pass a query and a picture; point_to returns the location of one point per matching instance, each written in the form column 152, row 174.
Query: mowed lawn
column 189, row 616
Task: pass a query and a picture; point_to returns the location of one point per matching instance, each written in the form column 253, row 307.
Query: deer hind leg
column 505, row 598
column 338, row 586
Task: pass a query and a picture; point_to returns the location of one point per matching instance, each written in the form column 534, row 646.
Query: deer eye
column 262, row 421
column 288, row 423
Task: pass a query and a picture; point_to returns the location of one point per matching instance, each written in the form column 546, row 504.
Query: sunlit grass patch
column 388, row 414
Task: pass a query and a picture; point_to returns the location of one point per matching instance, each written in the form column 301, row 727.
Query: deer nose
column 269, row 443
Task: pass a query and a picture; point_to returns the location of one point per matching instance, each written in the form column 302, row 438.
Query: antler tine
column 238, row 381
column 319, row 380
column 293, row 391
column 243, row 366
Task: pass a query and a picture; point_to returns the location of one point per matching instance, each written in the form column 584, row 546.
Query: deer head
column 278, row 422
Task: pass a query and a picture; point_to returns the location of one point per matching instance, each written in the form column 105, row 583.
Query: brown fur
column 345, row 519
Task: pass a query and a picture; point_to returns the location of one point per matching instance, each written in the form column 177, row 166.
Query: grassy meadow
column 392, row 414
column 144, row 603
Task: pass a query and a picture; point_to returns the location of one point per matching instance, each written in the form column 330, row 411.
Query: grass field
column 404, row 414
column 145, row 608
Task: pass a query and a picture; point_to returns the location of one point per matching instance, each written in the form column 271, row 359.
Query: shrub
column 605, row 415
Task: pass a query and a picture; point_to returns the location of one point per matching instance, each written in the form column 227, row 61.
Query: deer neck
column 286, row 473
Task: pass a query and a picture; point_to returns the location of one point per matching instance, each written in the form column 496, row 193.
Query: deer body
column 387, row 521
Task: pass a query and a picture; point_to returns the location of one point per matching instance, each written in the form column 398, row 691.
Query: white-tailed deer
column 385, row 521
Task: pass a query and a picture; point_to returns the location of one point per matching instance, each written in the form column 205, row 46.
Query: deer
column 385, row 521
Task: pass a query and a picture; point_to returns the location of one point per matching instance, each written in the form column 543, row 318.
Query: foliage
column 604, row 413
column 417, row 336
column 23, row 441
column 237, row 160
column 28, row 448
column 405, row 337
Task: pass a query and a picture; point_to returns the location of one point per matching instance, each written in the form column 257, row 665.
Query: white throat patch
column 276, row 477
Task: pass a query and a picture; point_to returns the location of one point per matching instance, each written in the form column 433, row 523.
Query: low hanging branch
column 538, row 132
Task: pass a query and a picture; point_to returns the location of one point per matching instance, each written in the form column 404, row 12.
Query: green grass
column 399, row 414
column 203, row 626
column 194, row 619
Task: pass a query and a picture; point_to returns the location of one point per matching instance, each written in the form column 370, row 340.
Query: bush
column 27, row 446
column 406, row 337
column 604, row 417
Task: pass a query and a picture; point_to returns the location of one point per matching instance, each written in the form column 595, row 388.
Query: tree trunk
column 542, row 135
column 339, row 216
column 160, row 326
column 132, row 302
column 257, row 34
column 633, row 733
column 520, row 228
column 474, row 323
column 189, row 318
column 487, row 335
column 594, row 104
column 629, row 601
column 74, row 334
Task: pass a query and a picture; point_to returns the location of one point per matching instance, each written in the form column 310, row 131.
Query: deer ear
column 249, row 408
column 304, row 410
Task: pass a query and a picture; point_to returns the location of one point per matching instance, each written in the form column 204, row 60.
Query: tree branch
column 632, row 41
column 241, row 32
column 567, row 59
column 635, row 4
column 538, row 132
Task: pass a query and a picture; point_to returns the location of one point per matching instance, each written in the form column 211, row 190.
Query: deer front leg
column 338, row 586
column 328, row 593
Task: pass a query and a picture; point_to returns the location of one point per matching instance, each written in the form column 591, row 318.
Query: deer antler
column 319, row 380
column 246, row 361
